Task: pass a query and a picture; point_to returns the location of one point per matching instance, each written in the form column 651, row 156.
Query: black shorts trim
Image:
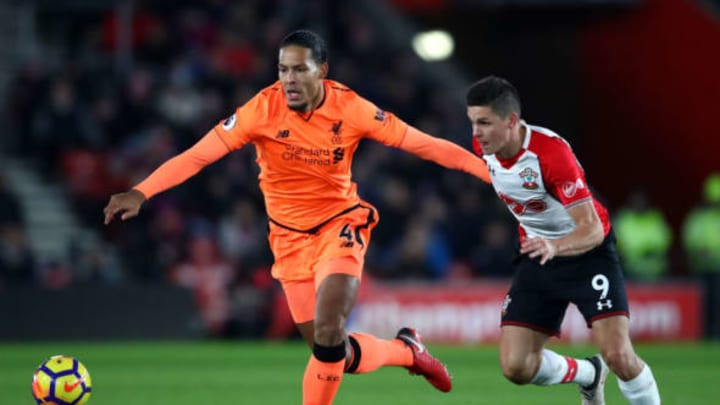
column 316, row 228
column 536, row 328
column 608, row 315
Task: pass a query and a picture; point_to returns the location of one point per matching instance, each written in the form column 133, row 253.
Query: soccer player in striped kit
column 567, row 255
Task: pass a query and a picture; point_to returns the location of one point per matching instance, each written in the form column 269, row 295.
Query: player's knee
column 328, row 333
column 622, row 361
column 516, row 371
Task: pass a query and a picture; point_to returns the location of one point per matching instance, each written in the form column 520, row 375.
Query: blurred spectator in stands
column 243, row 235
column 93, row 263
column 701, row 240
column 179, row 102
column 54, row 275
column 395, row 199
column 59, row 125
column 252, row 304
column 196, row 28
column 106, row 120
column 492, row 257
column 149, row 36
column 16, row 262
column 466, row 219
column 235, row 54
column 701, row 231
column 25, row 95
column 421, row 250
column 210, row 278
column 168, row 234
column 644, row 238
column 10, row 211
column 86, row 178
column 136, row 110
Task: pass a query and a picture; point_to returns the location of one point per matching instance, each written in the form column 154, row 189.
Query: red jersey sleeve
column 563, row 176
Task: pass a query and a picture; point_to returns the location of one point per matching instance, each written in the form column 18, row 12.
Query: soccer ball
column 61, row 380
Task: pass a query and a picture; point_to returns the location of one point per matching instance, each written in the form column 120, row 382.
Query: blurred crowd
column 98, row 120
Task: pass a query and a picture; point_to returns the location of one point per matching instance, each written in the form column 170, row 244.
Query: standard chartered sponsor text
column 309, row 156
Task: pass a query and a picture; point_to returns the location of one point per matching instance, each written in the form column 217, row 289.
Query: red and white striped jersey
column 540, row 183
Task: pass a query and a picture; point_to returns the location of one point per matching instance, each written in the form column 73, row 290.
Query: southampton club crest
column 529, row 177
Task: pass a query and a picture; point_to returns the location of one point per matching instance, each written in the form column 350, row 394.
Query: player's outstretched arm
column 171, row 173
column 444, row 153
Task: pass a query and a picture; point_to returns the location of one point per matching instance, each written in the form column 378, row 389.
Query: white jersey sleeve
column 540, row 183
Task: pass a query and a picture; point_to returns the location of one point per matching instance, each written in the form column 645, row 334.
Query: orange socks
column 371, row 353
column 324, row 371
column 323, row 374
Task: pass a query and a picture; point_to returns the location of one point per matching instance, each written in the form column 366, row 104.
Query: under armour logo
column 606, row 304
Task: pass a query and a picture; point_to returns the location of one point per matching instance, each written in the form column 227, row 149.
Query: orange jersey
column 305, row 159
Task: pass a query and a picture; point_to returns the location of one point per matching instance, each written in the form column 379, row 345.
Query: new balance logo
column 338, row 155
column 282, row 134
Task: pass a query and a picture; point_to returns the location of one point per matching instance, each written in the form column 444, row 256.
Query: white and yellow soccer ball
column 61, row 380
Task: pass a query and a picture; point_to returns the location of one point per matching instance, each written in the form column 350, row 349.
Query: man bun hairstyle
column 310, row 40
column 494, row 92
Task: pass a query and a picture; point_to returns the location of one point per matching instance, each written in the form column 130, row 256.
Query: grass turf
column 208, row 373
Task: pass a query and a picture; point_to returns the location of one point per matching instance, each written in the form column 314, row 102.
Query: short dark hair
column 494, row 92
column 310, row 40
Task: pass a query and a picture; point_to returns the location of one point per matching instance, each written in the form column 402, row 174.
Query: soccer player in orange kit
column 305, row 129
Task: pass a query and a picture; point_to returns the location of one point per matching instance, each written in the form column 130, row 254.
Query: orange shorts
column 303, row 259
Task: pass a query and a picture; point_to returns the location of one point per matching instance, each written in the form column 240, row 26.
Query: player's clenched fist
column 126, row 204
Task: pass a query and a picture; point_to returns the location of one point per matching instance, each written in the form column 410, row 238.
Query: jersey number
column 601, row 283
column 347, row 233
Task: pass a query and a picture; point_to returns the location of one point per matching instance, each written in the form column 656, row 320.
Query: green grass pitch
column 209, row 373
